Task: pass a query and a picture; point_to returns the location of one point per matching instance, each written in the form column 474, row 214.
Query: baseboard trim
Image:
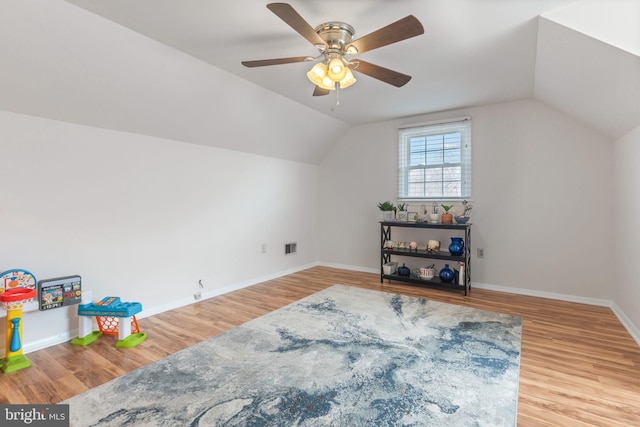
column 221, row 291
column 349, row 267
column 626, row 322
column 540, row 294
column 61, row 338
column 66, row 337
column 48, row 342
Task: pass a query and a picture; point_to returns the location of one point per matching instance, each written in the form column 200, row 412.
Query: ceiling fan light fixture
column 348, row 79
column 317, row 73
column 319, row 76
column 327, row 83
column 337, row 70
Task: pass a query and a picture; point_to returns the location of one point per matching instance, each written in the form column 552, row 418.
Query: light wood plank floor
column 579, row 366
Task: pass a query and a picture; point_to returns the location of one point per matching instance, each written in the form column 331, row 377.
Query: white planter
column 389, row 268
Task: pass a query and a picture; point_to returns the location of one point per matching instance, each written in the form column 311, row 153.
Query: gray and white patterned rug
column 341, row 357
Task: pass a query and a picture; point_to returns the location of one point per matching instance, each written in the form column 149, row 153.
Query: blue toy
column 106, row 311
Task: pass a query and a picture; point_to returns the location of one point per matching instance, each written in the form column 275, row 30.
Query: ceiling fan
column 334, row 40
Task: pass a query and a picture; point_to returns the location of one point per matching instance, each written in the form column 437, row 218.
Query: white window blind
column 434, row 161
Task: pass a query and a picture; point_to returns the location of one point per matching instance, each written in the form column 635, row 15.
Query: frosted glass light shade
column 337, row 70
column 317, row 73
column 348, row 79
column 327, row 84
column 318, row 76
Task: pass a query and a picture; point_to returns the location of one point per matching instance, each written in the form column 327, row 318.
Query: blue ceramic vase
column 457, row 246
column 404, row 271
column 446, row 274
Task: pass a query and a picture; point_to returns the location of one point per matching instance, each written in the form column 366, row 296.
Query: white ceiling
column 62, row 62
column 473, row 51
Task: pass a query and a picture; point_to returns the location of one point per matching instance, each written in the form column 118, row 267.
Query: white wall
column 541, row 190
column 144, row 218
column 627, row 230
column 64, row 63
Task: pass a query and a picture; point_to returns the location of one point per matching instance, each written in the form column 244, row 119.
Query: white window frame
column 417, row 131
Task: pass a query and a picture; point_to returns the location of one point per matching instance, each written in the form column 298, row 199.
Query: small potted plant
column 463, row 218
column 387, row 209
column 433, row 216
column 447, row 218
column 401, row 214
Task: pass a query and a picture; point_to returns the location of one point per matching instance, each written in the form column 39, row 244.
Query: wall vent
column 290, row 248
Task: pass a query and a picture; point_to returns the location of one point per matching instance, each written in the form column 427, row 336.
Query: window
column 435, row 161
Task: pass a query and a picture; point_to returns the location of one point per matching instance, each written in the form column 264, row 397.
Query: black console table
column 423, row 227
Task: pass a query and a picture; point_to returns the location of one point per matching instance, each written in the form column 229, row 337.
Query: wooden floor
column 579, row 366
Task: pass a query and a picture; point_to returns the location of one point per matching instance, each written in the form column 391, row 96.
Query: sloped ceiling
column 473, row 52
column 596, row 83
column 64, row 63
column 588, row 63
column 172, row 68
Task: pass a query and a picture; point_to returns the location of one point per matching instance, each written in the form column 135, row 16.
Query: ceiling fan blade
column 383, row 74
column 277, row 61
column 318, row 91
column 400, row 30
column 288, row 14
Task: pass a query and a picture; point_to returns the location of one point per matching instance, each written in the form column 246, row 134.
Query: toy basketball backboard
column 18, row 278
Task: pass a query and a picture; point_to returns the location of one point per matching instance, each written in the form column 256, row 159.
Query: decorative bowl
column 462, row 219
column 425, row 273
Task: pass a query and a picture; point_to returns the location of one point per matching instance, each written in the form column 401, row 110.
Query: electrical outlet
column 480, row 253
column 264, row 248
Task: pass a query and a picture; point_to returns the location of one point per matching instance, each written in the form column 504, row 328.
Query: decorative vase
column 387, row 215
column 406, row 271
column 447, row 218
column 446, row 274
column 433, row 218
column 456, row 247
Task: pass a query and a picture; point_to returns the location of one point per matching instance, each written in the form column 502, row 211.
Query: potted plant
column 401, row 214
column 433, row 216
column 447, row 218
column 466, row 211
column 387, row 209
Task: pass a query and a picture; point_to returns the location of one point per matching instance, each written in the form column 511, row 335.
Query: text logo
column 34, row 415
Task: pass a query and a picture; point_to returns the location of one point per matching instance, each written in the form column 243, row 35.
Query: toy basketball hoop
column 14, row 298
column 17, row 287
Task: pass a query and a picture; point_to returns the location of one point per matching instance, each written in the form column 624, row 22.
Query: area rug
column 344, row 356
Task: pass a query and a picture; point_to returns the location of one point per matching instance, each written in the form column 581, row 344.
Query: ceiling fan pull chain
column 335, row 96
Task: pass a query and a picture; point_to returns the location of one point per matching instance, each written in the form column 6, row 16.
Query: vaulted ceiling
column 99, row 63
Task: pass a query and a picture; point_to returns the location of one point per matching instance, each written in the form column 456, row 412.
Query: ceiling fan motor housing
column 337, row 35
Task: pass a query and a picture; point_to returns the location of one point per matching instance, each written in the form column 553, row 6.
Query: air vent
column 290, row 248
